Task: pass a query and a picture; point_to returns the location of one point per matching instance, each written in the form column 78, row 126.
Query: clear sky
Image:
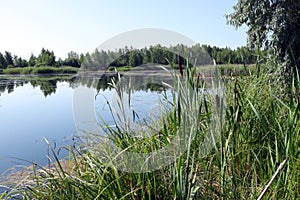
column 64, row 25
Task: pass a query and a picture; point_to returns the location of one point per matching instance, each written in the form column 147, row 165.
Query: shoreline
column 25, row 176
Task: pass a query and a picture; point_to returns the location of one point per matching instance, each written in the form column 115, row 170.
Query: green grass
column 41, row 70
column 120, row 69
column 260, row 130
column 237, row 70
column 229, row 70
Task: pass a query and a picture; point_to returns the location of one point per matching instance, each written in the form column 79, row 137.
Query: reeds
column 260, row 130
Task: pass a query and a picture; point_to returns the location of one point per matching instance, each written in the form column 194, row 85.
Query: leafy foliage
column 46, row 58
column 271, row 23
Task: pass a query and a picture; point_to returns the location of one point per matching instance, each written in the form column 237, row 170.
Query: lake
column 36, row 107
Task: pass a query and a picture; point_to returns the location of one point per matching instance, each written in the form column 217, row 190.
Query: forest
column 129, row 57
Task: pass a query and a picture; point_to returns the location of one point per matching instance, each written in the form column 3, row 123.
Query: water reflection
column 48, row 84
column 130, row 82
column 33, row 107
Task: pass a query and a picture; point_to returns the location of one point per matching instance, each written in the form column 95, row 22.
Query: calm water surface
column 35, row 108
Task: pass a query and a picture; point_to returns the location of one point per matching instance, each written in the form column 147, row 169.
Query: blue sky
column 81, row 26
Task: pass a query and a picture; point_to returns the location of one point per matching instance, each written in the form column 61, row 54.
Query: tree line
column 130, row 57
column 45, row 58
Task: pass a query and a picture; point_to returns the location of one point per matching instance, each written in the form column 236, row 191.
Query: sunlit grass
column 260, row 131
column 41, row 70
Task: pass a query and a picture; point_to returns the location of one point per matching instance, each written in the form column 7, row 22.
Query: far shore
column 43, row 70
column 142, row 70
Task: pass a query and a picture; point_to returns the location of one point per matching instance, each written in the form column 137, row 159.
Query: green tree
column 88, row 63
column 73, row 59
column 3, row 63
column 81, row 58
column 146, row 56
column 8, row 59
column 100, row 59
column 271, row 23
column 60, row 62
column 46, row 58
column 19, row 62
column 244, row 55
column 135, row 58
column 32, row 60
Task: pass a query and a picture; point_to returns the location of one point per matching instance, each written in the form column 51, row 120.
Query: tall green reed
column 261, row 129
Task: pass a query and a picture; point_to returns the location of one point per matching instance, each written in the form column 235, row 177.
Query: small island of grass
column 40, row 70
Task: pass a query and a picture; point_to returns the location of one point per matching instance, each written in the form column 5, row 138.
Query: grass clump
column 120, row 69
column 12, row 71
column 41, row 70
column 237, row 70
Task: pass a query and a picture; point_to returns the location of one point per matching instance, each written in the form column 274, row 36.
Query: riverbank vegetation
column 257, row 153
column 40, row 70
column 260, row 135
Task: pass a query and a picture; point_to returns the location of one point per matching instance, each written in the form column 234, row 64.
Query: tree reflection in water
column 48, row 84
